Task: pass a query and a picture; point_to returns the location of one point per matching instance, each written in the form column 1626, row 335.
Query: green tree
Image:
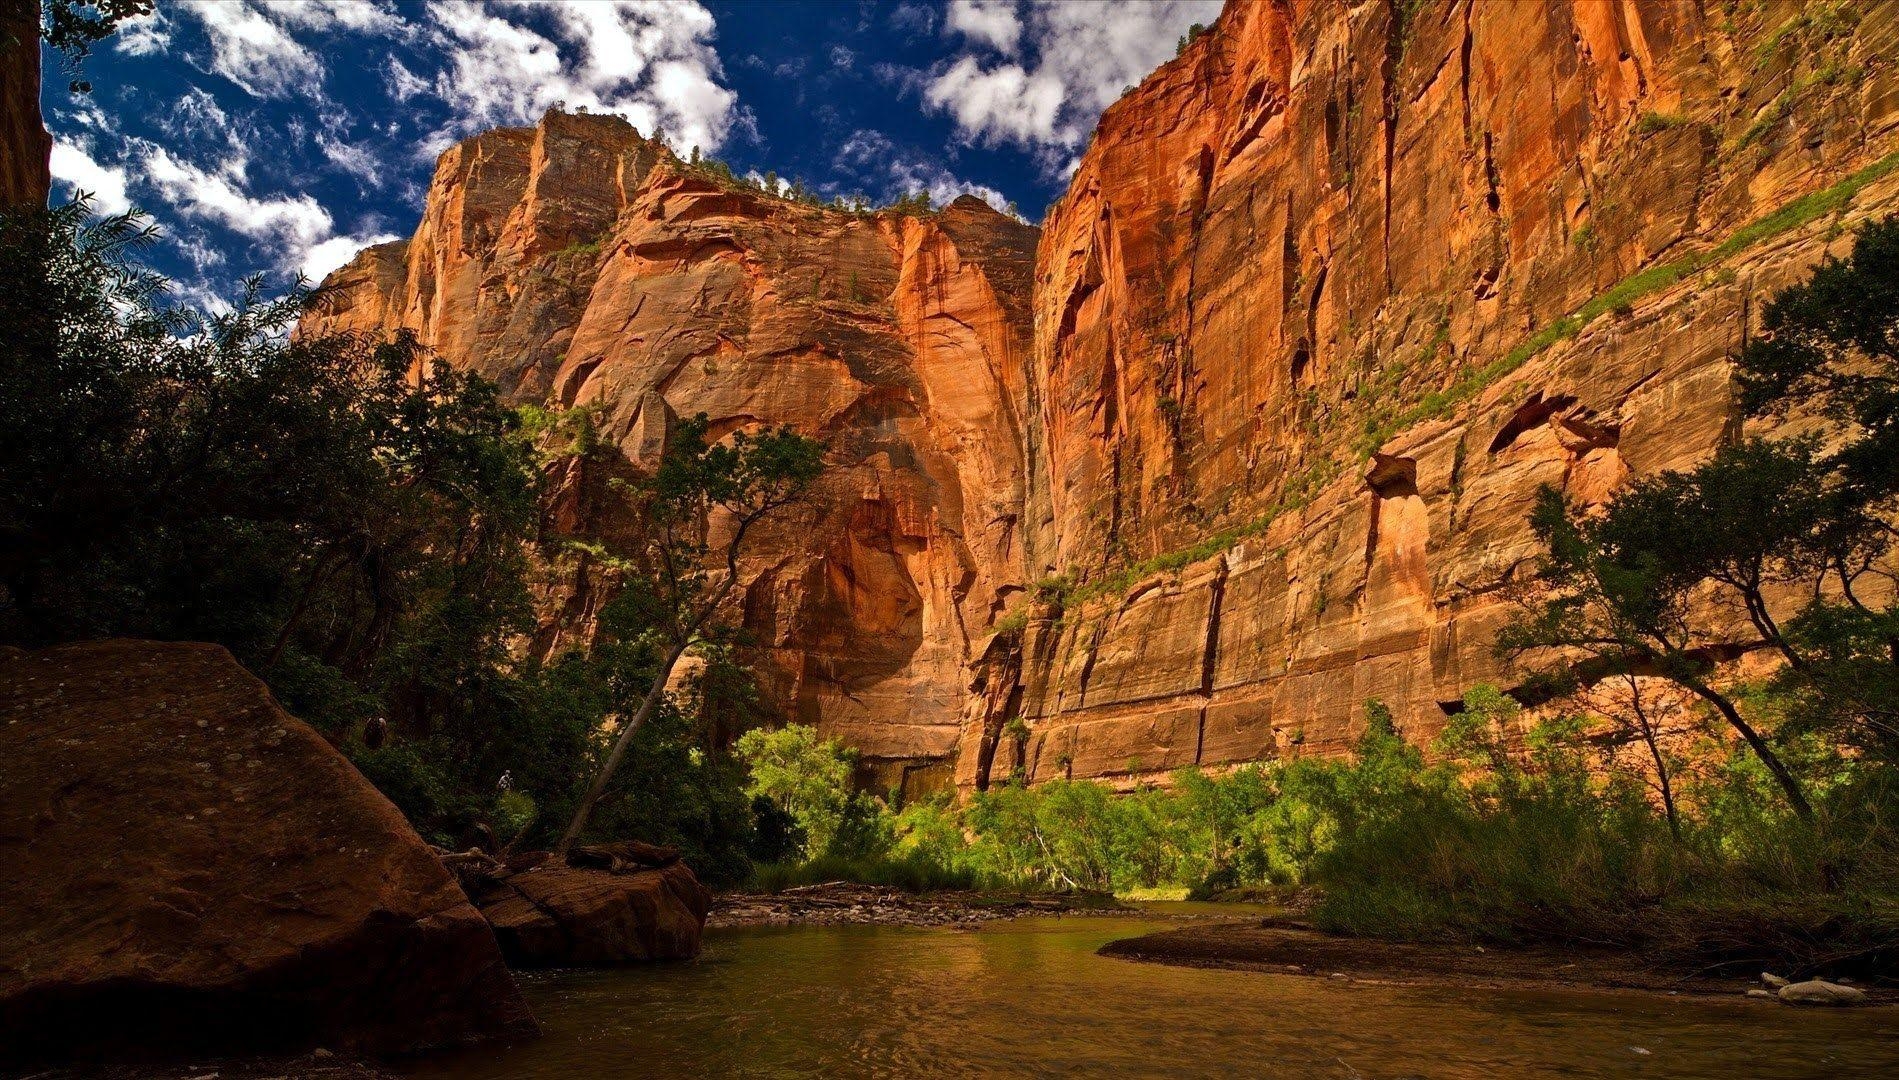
column 1830, row 347
column 678, row 575
column 1618, row 595
column 350, row 521
column 73, row 27
column 807, row 778
column 1761, row 523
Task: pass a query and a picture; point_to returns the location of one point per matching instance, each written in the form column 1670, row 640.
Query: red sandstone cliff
column 1329, row 297
column 24, row 143
column 580, row 265
column 1326, row 230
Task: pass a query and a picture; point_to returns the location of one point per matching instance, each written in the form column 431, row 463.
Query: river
column 1030, row 998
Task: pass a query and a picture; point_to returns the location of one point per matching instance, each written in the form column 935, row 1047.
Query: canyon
column 1245, row 434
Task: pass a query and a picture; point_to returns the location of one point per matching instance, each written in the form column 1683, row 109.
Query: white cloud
column 353, row 158
column 293, row 224
column 1006, row 103
column 891, row 173
column 299, row 231
column 255, row 43
column 75, row 166
column 251, row 47
column 362, row 16
column 403, row 83
column 652, row 63
column 913, row 18
column 1075, row 60
column 321, row 259
column 990, row 21
column 147, row 35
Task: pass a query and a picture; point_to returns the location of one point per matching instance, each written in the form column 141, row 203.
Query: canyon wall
column 1335, row 291
column 582, row 266
column 25, row 146
column 1250, row 435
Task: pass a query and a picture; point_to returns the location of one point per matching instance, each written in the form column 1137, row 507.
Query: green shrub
column 1652, row 122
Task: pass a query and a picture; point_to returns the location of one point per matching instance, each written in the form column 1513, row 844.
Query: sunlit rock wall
column 1284, row 241
column 581, row 266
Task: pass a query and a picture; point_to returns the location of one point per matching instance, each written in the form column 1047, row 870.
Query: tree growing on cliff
column 1783, row 535
column 697, row 510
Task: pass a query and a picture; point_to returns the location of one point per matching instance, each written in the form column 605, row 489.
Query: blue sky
column 281, row 136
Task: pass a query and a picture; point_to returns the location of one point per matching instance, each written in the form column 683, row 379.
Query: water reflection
column 1030, row 998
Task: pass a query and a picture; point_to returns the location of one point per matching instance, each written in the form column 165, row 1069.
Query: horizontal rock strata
column 1262, row 411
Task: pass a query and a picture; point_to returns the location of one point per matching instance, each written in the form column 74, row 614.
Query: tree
column 1761, row 524
column 1640, row 715
column 73, row 27
column 677, row 579
column 350, row 522
column 1830, row 348
column 807, row 779
column 1615, row 595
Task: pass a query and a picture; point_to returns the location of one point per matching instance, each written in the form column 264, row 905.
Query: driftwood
column 623, row 857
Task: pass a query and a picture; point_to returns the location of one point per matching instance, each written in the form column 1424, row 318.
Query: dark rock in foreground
column 625, row 904
column 190, row 867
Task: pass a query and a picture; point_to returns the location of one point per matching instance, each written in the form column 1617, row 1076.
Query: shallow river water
column 1031, row 998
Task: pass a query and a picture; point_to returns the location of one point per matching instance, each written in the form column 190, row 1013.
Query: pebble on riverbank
column 839, row 903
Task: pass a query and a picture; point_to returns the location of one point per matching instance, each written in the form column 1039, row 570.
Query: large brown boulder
column 621, row 907
column 190, row 867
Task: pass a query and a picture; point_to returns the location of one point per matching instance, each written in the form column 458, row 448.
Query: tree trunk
column 624, row 740
column 1653, row 742
column 1788, row 783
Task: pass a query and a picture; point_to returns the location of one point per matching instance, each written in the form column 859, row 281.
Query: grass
column 1652, row 122
column 1381, row 426
column 911, row 871
column 1158, row 892
column 580, row 247
column 1623, row 295
column 1299, row 492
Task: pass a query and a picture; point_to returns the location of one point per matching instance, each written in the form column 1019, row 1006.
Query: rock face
column 188, row 866
column 1329, row 297
column 564, row 916
column 583, row 266
column 25, row 176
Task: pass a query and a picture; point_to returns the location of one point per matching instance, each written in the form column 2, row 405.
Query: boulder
column 188, row 867
column 1821, row 992
column 555, row 915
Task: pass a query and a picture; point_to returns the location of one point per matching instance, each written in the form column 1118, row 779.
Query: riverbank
column 840, row 903
column 321, row 1065
column 1291, row 948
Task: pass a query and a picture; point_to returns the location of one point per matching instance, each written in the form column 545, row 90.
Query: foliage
column 353, row 535
column 674, row 579
column 73, row 27
column 1192, row 35
column 1652, row 122
column 1830, row 347
column 1515, row 832
column 810, row 781
column 354, row 524
column 1626, row 590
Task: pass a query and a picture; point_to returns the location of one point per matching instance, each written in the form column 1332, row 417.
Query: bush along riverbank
column 1511, row 833
column 1655, row 800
